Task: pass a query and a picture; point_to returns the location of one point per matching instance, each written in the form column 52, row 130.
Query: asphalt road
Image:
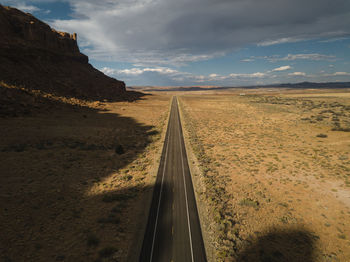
column 173, row 230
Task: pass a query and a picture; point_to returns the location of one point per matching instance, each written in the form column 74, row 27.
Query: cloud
column 176, row 76
column 336, row 74
column 252, row 75
column 28, row 6
column 168, row 76
column 108, row 71
column 138, row 71
column 282, row 68
column 279, row 41
column 25, row 7
column 341, row 74
column 177, row 32
column 297, row 74
column 248, row 60
column 161, row 70
column 312, row 56
column 132, row 71
column 315, row 57
column 293, row 57
column 336, row 39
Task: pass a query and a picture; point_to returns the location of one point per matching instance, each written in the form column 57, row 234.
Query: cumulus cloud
column 138, row 71
column 161, row 70
column 282, row 68
column 178, row 32
column 297, row 74
column 108, row 70
column 168, row 76
column 248, row 60
column 253, row 75
column 336, row 74
column 341, row 74
column 180, row 76
column 132, row 71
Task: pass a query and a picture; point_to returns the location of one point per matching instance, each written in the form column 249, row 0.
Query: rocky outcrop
column 35, row 56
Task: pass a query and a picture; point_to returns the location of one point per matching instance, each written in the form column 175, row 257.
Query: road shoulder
column 207, row 226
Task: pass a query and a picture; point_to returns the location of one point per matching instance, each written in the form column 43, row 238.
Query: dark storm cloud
column 175, row 32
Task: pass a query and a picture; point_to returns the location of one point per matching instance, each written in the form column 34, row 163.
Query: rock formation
column 35, row 56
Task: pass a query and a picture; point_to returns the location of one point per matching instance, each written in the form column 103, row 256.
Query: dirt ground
column 74, row 180
column 276, row 172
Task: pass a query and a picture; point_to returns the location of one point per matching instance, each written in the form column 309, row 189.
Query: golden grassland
column 276, row 173
column 75, row 180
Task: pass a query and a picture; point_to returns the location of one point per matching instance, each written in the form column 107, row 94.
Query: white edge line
column 160, row 194
column 183, row 174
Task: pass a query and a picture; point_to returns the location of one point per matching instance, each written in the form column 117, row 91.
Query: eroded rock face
column 24, row 29
column 36, row 56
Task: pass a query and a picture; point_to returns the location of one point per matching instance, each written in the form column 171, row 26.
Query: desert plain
column 274, row 173
column 271, row 172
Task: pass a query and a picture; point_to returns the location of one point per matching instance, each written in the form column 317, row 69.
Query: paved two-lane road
column 173, row 231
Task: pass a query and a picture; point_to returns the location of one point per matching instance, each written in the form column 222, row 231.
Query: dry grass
column 275, row 167
column 73, row 181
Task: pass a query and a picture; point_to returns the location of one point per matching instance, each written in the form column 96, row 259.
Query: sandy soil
column 276, row 172
column 73, row 180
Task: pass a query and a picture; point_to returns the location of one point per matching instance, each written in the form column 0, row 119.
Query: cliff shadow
column 68, row 180
column 288, row 245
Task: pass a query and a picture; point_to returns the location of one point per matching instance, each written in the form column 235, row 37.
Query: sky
column 206, row 42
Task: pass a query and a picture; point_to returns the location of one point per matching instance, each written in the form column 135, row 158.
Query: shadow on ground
column 67, row 180
column 281, row 245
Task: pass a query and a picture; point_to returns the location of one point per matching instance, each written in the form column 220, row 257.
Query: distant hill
column 35, row 56
column 302, row 85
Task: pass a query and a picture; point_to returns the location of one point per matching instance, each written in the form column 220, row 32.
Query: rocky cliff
column 35, row 56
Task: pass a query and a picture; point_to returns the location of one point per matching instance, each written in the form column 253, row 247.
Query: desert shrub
column 283, row 204
column 119, row 150
column 342, row 236
column 115, row 197
column 127, row 178
column 284, row 219
column 341, row 129
column 249, row 202
column 92, row 240
column 111, row 219
column 119, row 208
column 107, row 251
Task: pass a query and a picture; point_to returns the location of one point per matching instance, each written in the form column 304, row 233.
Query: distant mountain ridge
column 37, row 57
column 302, row 85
